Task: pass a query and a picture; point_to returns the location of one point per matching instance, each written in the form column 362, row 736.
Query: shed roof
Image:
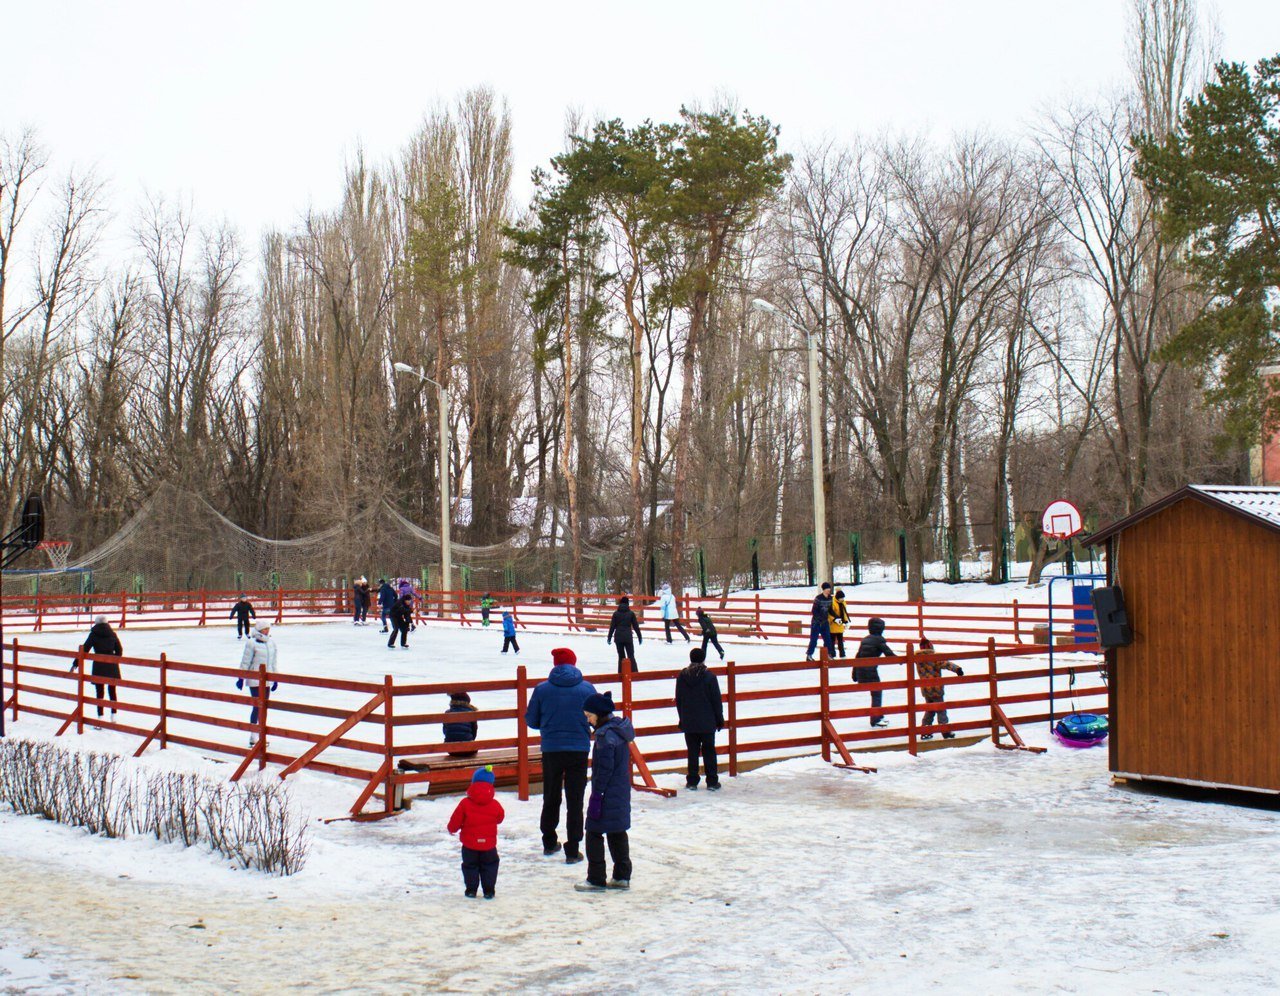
column 1260, row 506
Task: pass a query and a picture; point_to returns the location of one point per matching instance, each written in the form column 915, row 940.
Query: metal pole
column 815, row 443
column 446, row 554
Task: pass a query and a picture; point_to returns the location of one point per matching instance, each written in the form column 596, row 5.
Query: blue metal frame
column 1052, row 581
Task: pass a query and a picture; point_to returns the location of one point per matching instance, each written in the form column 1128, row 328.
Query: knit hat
column 826, row 585
column 100, row 619
column 460, row 697
column 600, row 705
column 697, row 655
column 262, row 625
column 563, row 655
column 484, row 774
column 624, row 602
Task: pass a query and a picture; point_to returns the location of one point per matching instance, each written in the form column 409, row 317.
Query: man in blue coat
column 555, row 709
column 609, row 812
column 386, row 599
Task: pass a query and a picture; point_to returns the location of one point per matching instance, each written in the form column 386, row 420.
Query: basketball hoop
column 1061, row 520
column 58, row 552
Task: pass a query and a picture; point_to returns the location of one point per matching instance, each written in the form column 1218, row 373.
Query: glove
column 275, row 685
column 959, row 671
column 595, row 806
column 609, row 642
column 239, row 683
column 640, row 640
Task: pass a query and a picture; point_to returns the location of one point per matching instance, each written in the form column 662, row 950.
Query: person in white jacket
column 259, row 652
column 670, row 612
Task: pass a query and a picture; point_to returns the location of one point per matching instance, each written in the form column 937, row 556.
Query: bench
column 453, row 770
column 593, row 620
column 736, row 625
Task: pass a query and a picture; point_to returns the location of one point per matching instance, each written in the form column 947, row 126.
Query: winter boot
column 590, row 886
column 618, row 883
column 926, row 736
column 948, row 735
column 470, row 893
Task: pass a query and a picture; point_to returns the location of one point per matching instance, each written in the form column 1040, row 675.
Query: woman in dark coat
column 102, row 639
column 609, row 811
column 701, row 714
column 461, row 731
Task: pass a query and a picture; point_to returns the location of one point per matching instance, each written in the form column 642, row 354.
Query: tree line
column 1001, row 320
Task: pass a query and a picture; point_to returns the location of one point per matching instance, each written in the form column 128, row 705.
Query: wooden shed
column 1195, row 698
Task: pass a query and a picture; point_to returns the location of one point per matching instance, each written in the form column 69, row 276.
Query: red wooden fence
column 759, row 617
column 361, row 729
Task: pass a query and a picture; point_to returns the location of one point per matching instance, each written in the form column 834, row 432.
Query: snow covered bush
column 251, row 822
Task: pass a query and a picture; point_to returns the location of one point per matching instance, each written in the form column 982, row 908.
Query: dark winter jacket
column 401, row 614
column 478, row 816
column 698, row 700
column 821, row 610
column 508, row 625
column 872, row 645
column 362, row 595
column 623, row 624
column 609, row 809
column 708, row 627
column 555, row 709
column 460, row 733
column 386, row 596
column 102, row 639
column 243, row 611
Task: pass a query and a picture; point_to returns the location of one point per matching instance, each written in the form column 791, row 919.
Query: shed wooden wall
column 1197, row 695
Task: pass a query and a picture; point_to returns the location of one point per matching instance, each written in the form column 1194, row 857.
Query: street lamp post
column 446, row 551
column 815, row 444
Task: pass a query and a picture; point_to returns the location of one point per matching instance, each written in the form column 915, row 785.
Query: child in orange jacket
column 478, row 816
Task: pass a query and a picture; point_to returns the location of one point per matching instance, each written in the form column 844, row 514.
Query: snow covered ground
column 960, row 870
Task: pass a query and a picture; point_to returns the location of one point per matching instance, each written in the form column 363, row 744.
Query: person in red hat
column 555, row 710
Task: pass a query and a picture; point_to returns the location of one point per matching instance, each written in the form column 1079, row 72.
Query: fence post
column 262, row 716
column 759, row 627
column 80, row 692
column 911, row 699
column 920, row 619
column 1017, row 636
column 731, row 684
column 39, row 613
column 164, row 700
column 124, row 608
column 626, row 687
column 15, row 679
column 388, row 743
column 993, row 688
column 522, row 734
column 204, row 606
column 824, row 684
column 279, row 606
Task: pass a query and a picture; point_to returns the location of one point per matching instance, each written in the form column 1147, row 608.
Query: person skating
column 670, row 612
column 609, row 812
column 838, row 619
column 360, row 598
column 709, row 634
column 242, row 611
column 873, row 645
column 509, row 631
column 461, row 731
column 819, row 621
column 930, row 669
column 701, row 714
column 386, row 600
column 401, row 621
column 102, row 639
column 556, row 711
column 259, row 652
column 621, row 627
column 487, row 602
column 405, row 589
column 478, row 816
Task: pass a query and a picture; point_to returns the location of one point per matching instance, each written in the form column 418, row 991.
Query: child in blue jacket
column 509, row 631
column 609, row 810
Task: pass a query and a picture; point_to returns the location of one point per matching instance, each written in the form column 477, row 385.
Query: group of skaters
column 568, row 712
column 828, row 622
column 625, row 624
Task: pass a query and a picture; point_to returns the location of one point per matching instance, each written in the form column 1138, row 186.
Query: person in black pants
column 873, row 645
column 555, row 710
column 243, row 612
column 701, row 714
column 102, row 639
column 621, row 626
column 708, row 634
column 361, row 596
column 401, row 619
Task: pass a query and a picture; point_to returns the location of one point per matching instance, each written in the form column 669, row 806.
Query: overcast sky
column 249, row 109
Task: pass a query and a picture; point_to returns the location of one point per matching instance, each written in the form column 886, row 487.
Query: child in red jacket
column 478, row 816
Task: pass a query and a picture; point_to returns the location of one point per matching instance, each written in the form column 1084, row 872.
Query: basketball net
column 58, row 552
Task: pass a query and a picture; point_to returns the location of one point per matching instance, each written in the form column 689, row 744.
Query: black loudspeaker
column 32, row 522
column 1113, row 620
